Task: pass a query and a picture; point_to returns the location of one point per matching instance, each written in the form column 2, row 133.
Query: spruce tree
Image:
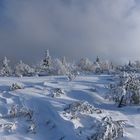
column 5, row 70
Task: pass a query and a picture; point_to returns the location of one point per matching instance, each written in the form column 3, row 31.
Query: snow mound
column 63, row 110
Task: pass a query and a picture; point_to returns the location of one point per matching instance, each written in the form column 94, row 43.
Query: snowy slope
column 48, row 104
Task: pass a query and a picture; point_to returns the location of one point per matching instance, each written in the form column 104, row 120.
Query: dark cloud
column 73, row 28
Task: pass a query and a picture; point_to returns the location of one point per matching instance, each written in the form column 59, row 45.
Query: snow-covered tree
column 23, row 69
column 46, row 61
column 126, row 91
column 97, row 64
column 59, row 67
column 5, row 70
column 103, row 66
column 45, row 65
column 85, row 65
column 97, row 60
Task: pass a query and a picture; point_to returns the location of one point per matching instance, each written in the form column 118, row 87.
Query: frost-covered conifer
column 97, row 60
column 45, row 65
column 5, row 70
column 46, row 61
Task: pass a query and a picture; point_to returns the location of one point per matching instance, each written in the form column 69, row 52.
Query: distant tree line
column 55, row 66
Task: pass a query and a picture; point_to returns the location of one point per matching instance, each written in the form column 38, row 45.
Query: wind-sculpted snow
column 54, row 108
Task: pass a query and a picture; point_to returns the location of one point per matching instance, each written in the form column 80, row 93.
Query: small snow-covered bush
column 9, row 127
column 32, row 128
column 16, row 86
column 80, row 107
column 17, row 111
column 56, row 92
column 98, row 70
column 71, row 76
column 108, row 129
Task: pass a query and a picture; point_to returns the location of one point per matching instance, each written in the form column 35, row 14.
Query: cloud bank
column 73, row 28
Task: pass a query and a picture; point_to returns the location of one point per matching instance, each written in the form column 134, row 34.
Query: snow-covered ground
column 45, row 108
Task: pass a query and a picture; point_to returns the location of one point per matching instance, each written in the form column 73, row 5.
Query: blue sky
column 73, row 28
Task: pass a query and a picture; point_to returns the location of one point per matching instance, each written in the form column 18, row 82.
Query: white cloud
column 75, row 27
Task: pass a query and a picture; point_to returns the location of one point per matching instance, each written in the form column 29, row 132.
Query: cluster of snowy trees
column 97, row 67
column 55, row 66
column 21, row 69
column 108, row 67
column 130, row 67
column 47, row 66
